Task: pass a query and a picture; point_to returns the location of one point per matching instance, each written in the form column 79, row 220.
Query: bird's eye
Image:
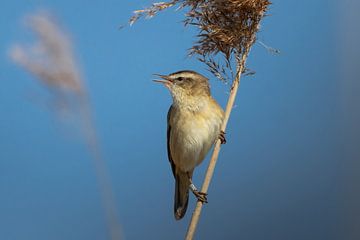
column 180, row 78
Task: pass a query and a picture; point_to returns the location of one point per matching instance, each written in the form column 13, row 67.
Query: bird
column 193, row 126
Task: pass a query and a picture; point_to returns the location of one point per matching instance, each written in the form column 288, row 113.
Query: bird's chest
column 196, row 133
column 199, row 129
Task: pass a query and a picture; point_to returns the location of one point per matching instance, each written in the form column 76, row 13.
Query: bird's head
column 185, row 85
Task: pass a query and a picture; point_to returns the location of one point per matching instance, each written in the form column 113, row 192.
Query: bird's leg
column 201, row 196
column 222, row 137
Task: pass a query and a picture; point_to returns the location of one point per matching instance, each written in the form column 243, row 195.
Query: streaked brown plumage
column 194, row 121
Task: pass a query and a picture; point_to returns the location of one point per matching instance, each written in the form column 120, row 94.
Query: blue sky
column 287, row 171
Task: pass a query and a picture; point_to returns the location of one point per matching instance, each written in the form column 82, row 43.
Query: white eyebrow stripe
column 184, row 74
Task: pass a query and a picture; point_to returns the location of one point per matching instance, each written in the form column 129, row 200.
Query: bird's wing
column 168, row 140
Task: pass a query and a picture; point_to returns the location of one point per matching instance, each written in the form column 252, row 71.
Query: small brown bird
column 193, row 125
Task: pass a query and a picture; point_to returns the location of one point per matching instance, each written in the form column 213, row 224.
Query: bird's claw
column 201, row 196
column 222, row 137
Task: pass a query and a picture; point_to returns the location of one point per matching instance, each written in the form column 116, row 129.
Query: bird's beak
column 166, row 80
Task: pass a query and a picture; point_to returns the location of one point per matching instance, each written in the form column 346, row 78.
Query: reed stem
column 214, row 157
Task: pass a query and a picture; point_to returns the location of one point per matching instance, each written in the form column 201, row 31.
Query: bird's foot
column 201, row 196
column 222, row 137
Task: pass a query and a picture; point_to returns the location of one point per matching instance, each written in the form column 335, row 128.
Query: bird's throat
column 190, row 103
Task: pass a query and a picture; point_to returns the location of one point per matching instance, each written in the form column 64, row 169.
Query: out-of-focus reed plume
column 51, row 58
column 228, row 27
column 51, row 61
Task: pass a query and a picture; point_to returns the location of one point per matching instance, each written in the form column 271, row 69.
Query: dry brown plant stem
column 228, row 27
column 214, row 157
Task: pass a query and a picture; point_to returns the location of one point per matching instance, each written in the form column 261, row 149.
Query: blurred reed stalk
column 227, row 31
column 51, row 61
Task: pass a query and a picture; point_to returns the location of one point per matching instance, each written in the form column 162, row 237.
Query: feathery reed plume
column 150, row 11
column 52, row 62
column 227, row 27
column 51, row 59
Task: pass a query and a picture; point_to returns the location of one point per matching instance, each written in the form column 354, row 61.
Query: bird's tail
column 182, row 184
